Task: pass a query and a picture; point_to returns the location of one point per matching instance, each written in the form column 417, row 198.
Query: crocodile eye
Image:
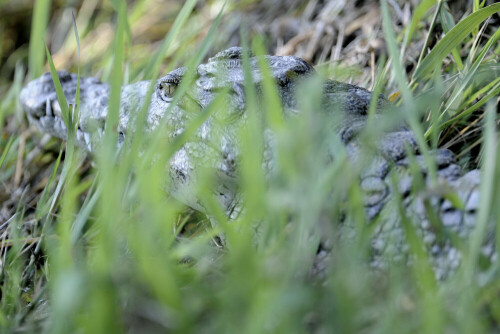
column 287, row 77
column 167, row 91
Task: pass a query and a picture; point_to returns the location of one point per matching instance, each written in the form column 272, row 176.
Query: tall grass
column 115, row 259
column 38, row 28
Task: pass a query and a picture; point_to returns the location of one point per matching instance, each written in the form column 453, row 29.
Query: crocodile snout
column 39, row 97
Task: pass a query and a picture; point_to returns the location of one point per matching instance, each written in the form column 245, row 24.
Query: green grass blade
column 43, row 207
column 468, row 76
column 271, row 99
column 115, row 84
column 494, row 92
column 60, row 95
column 430, row 31
column 180, row 92
column 485, row 90
column 418, row 15
column 487, row 188
column 452, row 40
column 487, row 47
column 156, row 60
column 154, row 66
column 409, row 105
column 75, row 114
column 70, row 127
column 459, row 91
column 6, row 149
column 447, row 22
column 84, row 214
column 126, row 26
column 38, row 29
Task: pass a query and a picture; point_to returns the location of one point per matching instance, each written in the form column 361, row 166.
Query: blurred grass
column 38, row 29
column 111, row 257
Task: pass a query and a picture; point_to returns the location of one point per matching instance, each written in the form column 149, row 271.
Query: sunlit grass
column 115, row 257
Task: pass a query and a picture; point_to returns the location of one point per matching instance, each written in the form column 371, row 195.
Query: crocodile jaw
column 39, row 100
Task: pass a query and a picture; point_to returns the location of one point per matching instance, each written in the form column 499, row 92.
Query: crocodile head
column 224, row 70
column 39, row 101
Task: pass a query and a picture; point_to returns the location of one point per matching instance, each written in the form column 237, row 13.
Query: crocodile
column 225, row 72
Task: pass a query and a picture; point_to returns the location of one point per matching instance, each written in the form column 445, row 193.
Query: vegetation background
column 91, row 249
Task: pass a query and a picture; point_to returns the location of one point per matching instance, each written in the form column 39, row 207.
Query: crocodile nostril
column 472, row 212
column 64, row 76
column 121, row 137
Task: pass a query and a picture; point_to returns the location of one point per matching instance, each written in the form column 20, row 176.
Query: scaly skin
column 224, row 71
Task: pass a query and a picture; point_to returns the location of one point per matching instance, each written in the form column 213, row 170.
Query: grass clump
column 108, row 250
